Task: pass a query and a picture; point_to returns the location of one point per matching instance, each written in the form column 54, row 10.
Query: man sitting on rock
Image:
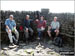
column 54, row 27
column 11, row 27
column 41, row 24
column 27, row 27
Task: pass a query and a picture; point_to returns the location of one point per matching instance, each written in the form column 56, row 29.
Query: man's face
column 42, row 18
column 11, row 18
column 55, row 19
column 27, row 17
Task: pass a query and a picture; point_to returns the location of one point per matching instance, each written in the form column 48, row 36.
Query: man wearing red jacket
column 41, row 25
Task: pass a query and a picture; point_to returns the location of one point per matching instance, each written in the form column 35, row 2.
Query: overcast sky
column 54, row 6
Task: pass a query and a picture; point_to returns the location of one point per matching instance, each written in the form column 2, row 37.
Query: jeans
column 27, row 33
column 12, row 37
column 39, row 32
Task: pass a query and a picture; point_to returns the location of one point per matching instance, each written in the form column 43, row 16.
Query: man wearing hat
column 11, row 27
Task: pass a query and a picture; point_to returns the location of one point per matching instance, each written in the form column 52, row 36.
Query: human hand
column 37, row 20
column 9, row 30
column 26, row 29
column 42, row 28
column 55, row 30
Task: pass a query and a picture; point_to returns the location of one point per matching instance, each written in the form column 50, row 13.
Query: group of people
column 41, row 25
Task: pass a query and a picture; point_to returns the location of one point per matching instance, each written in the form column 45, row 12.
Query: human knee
column 57, row 31
column 48, row 31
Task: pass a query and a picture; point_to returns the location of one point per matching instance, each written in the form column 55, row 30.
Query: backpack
column 58, row 41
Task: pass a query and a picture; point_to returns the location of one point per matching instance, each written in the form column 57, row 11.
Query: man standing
column 11, row 27
column 27, row 27
column 54, row 27
column 41, row 24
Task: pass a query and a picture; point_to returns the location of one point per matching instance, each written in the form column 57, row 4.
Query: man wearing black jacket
column 27, row 27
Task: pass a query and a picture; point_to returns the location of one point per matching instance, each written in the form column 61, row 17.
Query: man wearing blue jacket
column 11, row 27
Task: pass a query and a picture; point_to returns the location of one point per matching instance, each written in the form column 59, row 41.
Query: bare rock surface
column 34, row 49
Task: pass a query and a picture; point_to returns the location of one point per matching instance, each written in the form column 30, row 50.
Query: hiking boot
column 16, row 42
column 12, row 45
column 38, row 38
